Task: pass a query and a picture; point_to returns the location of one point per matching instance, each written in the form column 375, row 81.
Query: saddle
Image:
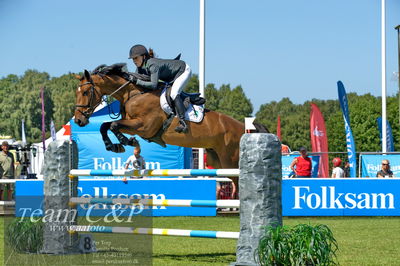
column 187, row 98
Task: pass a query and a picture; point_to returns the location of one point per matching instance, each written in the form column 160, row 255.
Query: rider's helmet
column 336, row 162
column 137, row 50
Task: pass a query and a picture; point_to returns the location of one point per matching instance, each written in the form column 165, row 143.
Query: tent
column 93, row 155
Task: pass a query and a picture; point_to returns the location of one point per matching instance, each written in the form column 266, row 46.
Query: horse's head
column 88, row 97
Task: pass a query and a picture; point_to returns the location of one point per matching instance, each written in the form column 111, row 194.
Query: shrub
column 23, row 235
column 300, row 245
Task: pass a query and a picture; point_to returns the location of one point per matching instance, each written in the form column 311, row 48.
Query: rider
column 176, row 72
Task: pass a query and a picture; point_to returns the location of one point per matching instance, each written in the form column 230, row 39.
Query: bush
column 25, row 236
column 300, row 245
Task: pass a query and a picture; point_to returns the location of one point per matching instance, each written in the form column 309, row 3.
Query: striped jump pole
column 157, row 202
column 154, row 231
column 157, row 172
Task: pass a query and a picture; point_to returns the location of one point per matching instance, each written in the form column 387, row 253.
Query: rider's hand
column 132, row 78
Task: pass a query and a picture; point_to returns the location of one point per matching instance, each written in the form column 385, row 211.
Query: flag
column 319, row 140
column 278, row 128
column 23, row 137
column 53, row 130
column 248, row 124
column 389, row 135
column 351, row 148
column 67, row 130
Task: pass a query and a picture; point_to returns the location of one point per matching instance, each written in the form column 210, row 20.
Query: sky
column 273, row 49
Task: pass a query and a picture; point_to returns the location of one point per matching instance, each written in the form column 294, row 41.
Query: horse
column 141, row 115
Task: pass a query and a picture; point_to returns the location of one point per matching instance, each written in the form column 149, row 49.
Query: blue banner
column 389, row 135
column 29, row 195
column 288, row 159
column 351, row 148
column 341, row 197
column 371, row 164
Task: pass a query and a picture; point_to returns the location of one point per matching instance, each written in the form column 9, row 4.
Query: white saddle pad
column 194, row 113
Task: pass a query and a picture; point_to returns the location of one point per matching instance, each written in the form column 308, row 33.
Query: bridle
column 93, row 92
column 91, row 108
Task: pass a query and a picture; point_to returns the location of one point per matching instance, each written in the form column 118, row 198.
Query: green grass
column 361, row 240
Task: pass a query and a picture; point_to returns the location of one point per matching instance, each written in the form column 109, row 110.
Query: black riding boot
column 180, row 111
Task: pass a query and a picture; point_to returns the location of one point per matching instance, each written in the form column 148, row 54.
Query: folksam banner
column 351, row 148
column 389, row 135
column 341, row 197
column 29, row 196
column 371, row 164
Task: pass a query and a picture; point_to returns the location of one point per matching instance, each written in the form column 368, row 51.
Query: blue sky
column 273, row 49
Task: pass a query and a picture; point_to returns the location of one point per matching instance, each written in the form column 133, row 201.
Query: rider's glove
column 132, row 78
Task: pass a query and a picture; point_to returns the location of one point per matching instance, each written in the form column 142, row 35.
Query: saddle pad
column 194, row 113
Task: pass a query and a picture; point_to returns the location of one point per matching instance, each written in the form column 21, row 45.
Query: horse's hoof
column 109, row 147
column 133, row 142
column 118, row 148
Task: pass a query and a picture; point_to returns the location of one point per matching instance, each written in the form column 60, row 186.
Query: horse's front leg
column 118, row 148
column 116, row 126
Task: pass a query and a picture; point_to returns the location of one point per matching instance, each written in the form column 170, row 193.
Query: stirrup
column 182, row 127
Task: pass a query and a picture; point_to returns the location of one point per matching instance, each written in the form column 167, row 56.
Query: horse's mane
column 119, row 69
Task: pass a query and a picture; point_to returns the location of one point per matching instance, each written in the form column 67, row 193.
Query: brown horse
column 143, row 116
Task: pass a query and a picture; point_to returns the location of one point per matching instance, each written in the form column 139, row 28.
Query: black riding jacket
column 167, row 70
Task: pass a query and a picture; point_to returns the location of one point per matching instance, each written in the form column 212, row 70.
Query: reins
column 90, row 110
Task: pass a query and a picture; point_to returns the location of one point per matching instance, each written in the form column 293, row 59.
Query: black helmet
column 137, row 50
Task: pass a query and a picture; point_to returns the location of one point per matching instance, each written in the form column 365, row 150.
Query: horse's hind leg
column 118, row 148
column 115, row 128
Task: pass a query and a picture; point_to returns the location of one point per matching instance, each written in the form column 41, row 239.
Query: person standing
column 346, row 169
column 136, row 160
column 6, row 170
column 385, row 171
column 302, row 165
column 337, row 171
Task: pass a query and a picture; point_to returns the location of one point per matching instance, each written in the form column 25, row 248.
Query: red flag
column 319, row 140
column 67, row 131
column 278, row 128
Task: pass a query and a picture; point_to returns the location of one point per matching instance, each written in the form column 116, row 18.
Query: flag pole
column 383, row 60
column 201, row 66
column 43, row 120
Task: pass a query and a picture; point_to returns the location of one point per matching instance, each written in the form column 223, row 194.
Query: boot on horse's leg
column 180, row 111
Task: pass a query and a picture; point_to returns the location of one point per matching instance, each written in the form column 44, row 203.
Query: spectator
column 385, row 172
column 136, row 160
column 225, row 190
column 6, row 171
column 285, row 149
column 337, row 171
column 346, row 169
column 302, row 165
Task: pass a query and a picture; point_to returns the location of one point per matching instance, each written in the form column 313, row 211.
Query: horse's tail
column 260, row 128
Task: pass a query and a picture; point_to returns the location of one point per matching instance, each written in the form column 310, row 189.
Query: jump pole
column 157, row 172
column 156, row 231
column 157, row 202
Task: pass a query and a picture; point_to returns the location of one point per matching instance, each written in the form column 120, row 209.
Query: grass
column 361, row 240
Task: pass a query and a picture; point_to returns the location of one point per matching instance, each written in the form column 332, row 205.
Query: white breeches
column 180, row 82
